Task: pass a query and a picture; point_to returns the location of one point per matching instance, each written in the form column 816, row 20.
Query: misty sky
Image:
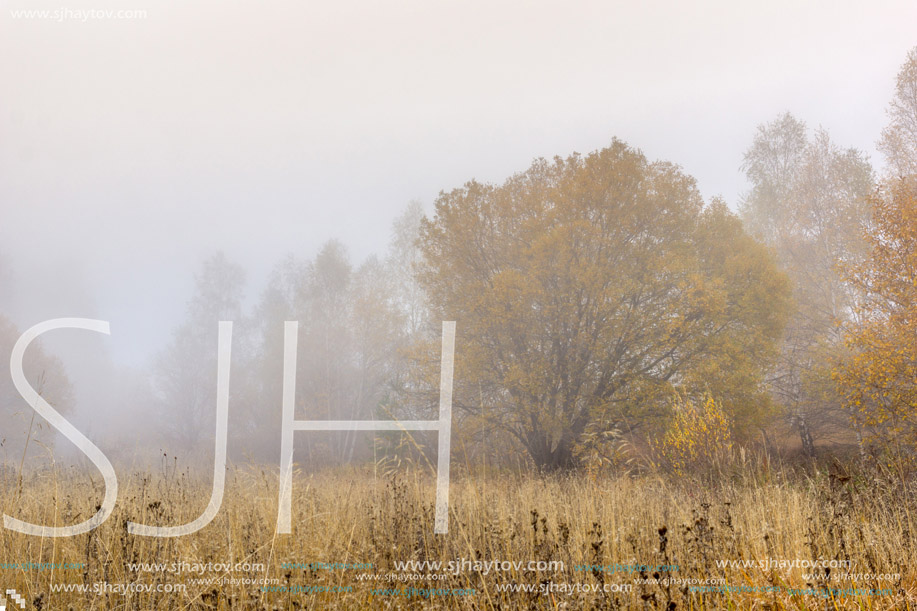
column 132, row 149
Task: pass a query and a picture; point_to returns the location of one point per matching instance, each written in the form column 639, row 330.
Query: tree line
column 600, row 303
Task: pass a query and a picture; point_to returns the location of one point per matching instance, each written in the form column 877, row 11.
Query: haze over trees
column 349, row 332
column 899, row 138
column 25, row 434
column 25, row 438
column 808, row 201
column 598, row 298
column 185, row 372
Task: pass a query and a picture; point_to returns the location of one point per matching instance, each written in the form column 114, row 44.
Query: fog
column 133, row 150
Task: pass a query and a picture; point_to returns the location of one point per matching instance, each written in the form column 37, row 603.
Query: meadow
column 753, row 535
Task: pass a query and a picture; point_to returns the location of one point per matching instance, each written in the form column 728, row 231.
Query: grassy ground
column 351, row 516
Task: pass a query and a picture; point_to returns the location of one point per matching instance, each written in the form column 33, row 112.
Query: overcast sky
column 130, row 149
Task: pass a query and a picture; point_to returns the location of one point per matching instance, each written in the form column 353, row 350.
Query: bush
column 698, row 437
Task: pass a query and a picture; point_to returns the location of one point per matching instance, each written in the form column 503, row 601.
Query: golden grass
column 351, row 516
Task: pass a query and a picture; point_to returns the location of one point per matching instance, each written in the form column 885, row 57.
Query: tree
column 25, row 434
column 879, row 378
column 186, row 371
column 809, row 202
column 403, row 258
column 772, row 165
column 899, row 138
column 349, row 331
column 587, row 288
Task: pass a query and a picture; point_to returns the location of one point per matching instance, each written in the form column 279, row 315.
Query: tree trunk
column 557, row 459
column 805, row 436
column 861, row 446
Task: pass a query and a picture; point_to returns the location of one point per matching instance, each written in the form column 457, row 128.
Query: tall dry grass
column 353, row 516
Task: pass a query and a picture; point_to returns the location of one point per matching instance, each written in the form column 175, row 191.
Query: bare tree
column 808, row 202
column 185, row 372
column 403, row 259
column 899, row 138
column 26, row 436
column 350, row 327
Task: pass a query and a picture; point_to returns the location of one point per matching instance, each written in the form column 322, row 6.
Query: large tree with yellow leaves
column 586, row 289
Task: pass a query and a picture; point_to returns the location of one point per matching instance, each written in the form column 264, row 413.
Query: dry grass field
column 683, row 530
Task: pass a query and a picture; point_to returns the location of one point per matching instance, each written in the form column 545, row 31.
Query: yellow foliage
column 877, row 379
column 584, row 286
column 699, row 436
